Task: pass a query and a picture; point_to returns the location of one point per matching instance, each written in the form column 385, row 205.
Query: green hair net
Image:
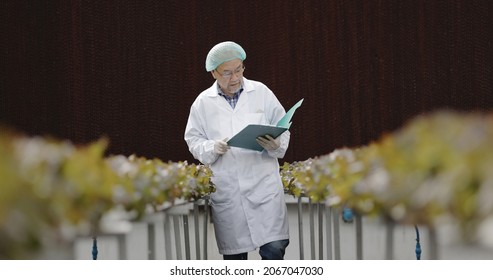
column 223, row 52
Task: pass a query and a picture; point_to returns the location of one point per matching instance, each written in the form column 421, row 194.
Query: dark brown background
column 129, row 70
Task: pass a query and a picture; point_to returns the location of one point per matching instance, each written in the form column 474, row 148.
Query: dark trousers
column 274, row 250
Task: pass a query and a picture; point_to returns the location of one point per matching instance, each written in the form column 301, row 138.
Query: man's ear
column 213, row 74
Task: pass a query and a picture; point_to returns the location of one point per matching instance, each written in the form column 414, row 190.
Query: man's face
column 229, row 76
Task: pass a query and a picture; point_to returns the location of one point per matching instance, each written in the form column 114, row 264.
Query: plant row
column 437, row 169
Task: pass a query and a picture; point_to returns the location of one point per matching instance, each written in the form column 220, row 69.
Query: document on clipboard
column 247, row 137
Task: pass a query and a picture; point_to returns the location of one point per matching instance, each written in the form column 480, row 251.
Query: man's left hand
column 269, row 143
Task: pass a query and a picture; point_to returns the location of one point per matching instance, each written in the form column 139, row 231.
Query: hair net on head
column 223, row 52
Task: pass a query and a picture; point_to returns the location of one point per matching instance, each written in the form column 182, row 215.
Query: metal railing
column 186, row 233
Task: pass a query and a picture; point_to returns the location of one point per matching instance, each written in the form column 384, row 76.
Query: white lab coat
column 248, row 207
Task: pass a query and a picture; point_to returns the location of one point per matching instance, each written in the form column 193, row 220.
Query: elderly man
column 248, row 207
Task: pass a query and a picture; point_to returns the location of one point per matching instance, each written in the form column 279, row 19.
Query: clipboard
column 246, row 138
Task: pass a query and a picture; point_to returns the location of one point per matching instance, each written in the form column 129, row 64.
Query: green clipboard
column 246, row 138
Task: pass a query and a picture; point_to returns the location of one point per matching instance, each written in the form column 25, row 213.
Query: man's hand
column 269, row 143
column 221, row 147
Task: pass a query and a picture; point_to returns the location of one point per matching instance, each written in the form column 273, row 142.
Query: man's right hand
column 221, row 147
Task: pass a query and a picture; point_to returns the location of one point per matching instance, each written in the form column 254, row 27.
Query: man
column 248, row 207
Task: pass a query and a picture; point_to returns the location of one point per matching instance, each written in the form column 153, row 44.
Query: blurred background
column 129, row 70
